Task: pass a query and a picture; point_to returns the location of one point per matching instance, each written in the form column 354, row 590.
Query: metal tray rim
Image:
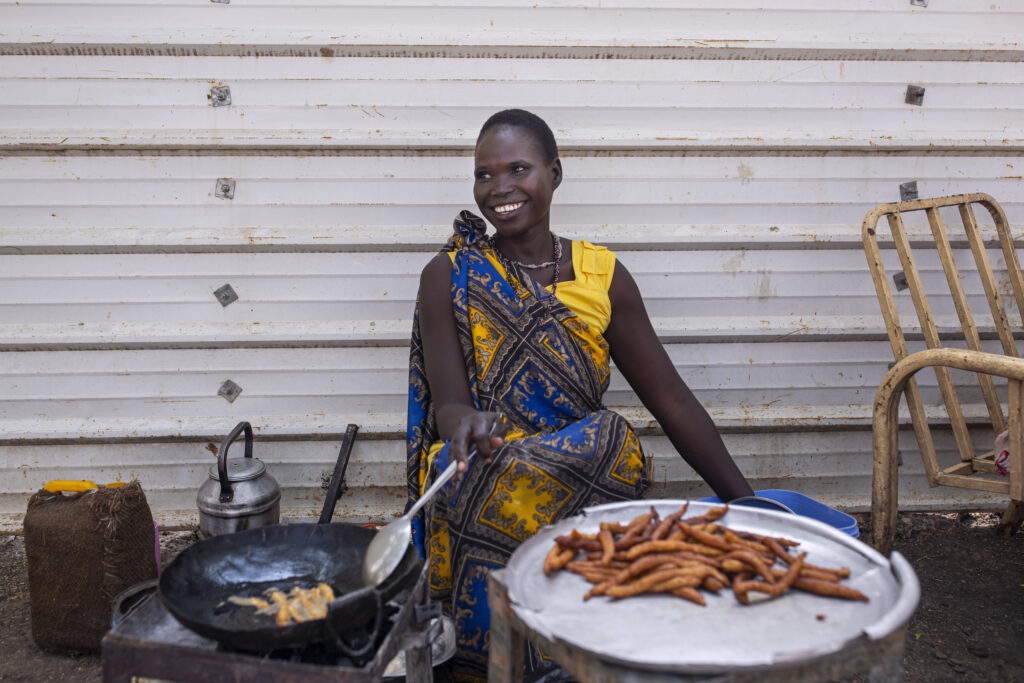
column 802, row 528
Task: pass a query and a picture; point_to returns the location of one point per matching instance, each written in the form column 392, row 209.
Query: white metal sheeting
column 367, row 298
column 165, row 102
column 727, row 151
column 57, row 396
column 964, row 29
column 406, row 201
column 833, row 466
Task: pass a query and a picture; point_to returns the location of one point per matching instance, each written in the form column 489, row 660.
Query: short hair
column 528, row 121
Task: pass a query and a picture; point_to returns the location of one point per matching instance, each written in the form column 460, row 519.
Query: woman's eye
column 483, row 176
column 519, row 169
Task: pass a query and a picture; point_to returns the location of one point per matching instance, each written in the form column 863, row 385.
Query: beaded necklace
column 556, row 261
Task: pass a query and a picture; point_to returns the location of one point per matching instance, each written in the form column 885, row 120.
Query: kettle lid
column 240, row 469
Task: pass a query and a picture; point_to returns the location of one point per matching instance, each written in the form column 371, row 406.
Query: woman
column 510, row 356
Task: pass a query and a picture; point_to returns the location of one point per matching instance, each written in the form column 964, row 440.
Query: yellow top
column 587, row 294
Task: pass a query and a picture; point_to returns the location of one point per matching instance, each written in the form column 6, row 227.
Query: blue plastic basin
column 808, row 507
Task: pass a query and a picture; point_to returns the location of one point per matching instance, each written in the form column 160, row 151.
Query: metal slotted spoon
column 388, row 547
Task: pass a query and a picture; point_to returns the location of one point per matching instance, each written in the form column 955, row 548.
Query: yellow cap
column 77, row 485
column 58, row 485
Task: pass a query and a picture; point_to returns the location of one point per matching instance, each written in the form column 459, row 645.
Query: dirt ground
column 968, row 626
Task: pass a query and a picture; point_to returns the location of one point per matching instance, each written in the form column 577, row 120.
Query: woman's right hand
column 481, row 429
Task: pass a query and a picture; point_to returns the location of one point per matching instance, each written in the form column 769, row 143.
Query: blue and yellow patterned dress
column 546, row 372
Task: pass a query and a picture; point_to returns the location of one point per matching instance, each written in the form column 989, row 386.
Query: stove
column 149, row 642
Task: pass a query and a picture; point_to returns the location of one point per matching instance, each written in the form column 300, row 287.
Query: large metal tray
column 667, row 633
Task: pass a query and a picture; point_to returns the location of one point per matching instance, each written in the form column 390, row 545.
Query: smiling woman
column 513, row 338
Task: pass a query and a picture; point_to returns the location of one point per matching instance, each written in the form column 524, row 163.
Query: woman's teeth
column 508, row 208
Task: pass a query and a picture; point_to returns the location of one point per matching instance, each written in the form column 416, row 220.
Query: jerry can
column 84, row 545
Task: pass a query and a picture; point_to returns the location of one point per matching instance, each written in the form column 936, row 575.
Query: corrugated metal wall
column 728, row 150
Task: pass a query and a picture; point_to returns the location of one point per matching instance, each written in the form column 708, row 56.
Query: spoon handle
column 441, row 480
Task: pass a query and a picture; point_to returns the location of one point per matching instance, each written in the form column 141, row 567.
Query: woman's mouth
column 507, row 209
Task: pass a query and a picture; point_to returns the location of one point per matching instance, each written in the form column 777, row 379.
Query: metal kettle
column 239, row 493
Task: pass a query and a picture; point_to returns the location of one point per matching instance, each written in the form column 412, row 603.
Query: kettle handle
column 227, row 494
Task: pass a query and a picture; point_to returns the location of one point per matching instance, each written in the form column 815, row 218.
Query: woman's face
column 514, row 181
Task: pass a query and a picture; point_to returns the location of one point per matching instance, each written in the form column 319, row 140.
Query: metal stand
column 150, row 643
column 418, row 665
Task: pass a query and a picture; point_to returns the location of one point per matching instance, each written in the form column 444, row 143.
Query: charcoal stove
column 149, row 642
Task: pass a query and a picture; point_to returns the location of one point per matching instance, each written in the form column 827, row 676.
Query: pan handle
column 338, row 478
column 353, row 609
column 227, row 494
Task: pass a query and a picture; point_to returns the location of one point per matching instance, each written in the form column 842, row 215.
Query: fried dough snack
column 298, row 604
column 678, row 556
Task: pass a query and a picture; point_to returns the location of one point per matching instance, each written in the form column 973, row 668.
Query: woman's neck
column 534, row 247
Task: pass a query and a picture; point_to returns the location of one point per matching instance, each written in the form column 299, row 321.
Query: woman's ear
column 556, row 171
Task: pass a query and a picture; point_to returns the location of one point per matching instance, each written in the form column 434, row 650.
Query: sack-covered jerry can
column 84, row 545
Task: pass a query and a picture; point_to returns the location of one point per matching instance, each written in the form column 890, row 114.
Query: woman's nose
column 503, row 186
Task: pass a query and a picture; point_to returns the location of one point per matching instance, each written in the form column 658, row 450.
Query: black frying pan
column 196, row 585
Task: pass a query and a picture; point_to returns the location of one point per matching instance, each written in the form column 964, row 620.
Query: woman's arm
column 642, row 359
column 457, row 418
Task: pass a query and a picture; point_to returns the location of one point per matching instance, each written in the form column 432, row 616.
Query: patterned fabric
column 546, row 373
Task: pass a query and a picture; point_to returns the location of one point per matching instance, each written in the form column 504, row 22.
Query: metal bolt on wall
column 915, row 95
column 225, row 188
column 220, row 96
column 229, row 391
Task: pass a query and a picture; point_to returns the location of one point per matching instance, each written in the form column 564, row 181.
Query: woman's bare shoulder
column 623, row 290
column 438, row 271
